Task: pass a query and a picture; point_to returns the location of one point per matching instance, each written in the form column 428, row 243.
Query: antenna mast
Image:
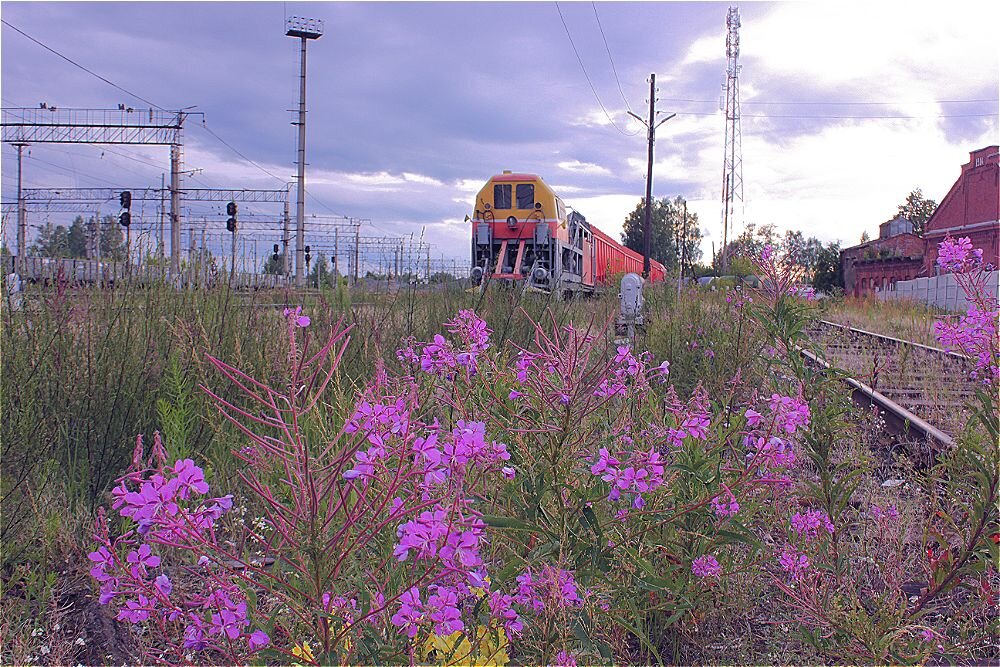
column 732, row 169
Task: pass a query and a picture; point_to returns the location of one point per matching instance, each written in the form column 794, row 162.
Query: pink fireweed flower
column 410, row 614
column 775, row 451
column 471, row 330
column 675, row 437
column 296, row 317
column 604, row 462
column 725, row 506
column 810, row 523
column 706, row 566
column 514, row 395
column 501, row 609
column 696, row 425
column 102, row 558
column 547, row 586
column 461, row 549
column 796, row 564
column 565, row 659
column 954, row 255
column 135, row 611
column 790, row 414
column 258, row 640
column 753, row 417
column 141, row 559
column 442, row 609
column 163, row 584
column 889, row 512
column 189, row 478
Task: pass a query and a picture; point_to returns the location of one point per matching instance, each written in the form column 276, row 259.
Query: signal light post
column 231, row 210
column 125, row 219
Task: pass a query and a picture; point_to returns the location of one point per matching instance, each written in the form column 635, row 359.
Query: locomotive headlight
column 511, row 221
column 476, row 274
column 539, row 275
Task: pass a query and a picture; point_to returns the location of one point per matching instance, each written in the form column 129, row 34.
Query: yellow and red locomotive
column 521, row 230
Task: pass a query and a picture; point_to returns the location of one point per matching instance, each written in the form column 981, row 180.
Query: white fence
column 939, row 291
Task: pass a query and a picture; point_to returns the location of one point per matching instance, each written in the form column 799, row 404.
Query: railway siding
column 921, row 389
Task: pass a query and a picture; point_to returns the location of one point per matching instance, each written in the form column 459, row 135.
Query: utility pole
column 336, row 255
column 304, row 29
column 650, row 138
column 22, row 216
column 163, row 211
column 285, row 268
column 684, row 234
column 357, row 251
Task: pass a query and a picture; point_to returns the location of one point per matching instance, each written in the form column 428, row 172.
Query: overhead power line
column 85, row 69
column 610, row 59
column 831, row 102
column 841, row 117
column 587, row 76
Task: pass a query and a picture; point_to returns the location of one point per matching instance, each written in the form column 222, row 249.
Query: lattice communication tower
column 732, row 170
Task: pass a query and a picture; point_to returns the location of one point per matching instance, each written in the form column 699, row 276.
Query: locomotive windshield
column 501, row 195
column 526, row 195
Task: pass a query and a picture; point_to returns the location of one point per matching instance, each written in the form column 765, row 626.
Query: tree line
column 80, row 240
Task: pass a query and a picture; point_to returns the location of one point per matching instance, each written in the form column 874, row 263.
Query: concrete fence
column 938, row 291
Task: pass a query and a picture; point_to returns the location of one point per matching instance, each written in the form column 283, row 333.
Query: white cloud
column 578, row 167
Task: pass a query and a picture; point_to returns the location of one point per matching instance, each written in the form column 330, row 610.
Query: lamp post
column 305, row 29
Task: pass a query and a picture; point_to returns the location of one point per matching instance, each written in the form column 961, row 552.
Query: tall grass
column 85, row 371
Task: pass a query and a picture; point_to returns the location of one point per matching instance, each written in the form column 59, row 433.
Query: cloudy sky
column 412, row 106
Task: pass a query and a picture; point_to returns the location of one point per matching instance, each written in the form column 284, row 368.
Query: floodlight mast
column 305, row 29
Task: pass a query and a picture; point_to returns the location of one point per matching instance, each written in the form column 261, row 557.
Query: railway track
column 922, row 391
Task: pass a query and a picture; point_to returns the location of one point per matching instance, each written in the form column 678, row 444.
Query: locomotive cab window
column 501, row 196
column 525, row 195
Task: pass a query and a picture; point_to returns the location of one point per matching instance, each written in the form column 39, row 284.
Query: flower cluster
column 640, row 473
column 786, row 415
column 625, row 369
column 790, row 414
column 693, row 420
column 958, row 255
column 547, row 587
column 726, row 505
column 793, row 562
column 706, row 566
column 887, row 513
column 167, row 508
column 809, row 523
column 442, row 357
column 974, row 334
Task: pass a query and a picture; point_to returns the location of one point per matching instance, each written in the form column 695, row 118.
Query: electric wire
column 610, row 59
column 76, row 64
column 587, row 76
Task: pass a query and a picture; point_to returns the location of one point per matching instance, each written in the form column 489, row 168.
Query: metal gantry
column 125, row 125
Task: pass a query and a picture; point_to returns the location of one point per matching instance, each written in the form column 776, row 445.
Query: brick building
column 897, row 254
column 969, row 209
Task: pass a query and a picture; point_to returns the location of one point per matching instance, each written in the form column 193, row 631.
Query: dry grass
column 900, row 319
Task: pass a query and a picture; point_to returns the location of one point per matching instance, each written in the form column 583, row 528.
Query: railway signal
column 231, row 210
column 125, row 199
column 275, row 255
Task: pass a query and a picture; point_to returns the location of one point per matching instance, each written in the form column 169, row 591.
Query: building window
column 525, row 195
column 979, row 161
column 501, row 196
